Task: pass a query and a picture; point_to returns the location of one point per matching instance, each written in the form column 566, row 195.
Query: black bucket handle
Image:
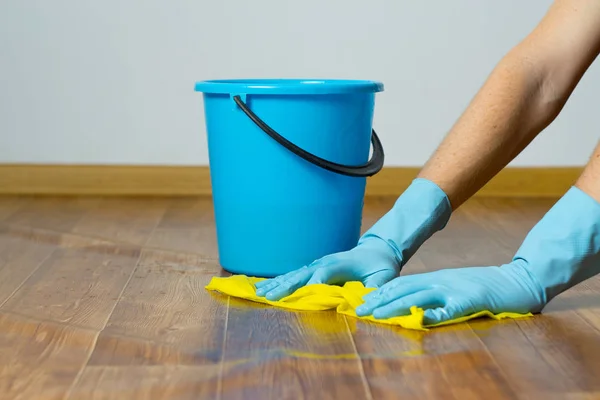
column 373, row 166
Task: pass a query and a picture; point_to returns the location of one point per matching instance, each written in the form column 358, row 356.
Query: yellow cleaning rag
column 343, row 299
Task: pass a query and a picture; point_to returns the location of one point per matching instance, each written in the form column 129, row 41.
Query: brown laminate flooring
column 103, row 298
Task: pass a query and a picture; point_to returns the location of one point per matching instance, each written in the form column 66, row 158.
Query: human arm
column 523, row 94
column 563, row 249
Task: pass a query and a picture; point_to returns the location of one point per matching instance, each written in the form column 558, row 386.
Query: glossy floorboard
column 105, row 299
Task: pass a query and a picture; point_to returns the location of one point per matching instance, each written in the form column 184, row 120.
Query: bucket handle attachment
column 373, row 166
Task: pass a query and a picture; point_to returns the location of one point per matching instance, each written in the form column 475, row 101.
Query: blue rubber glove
column 562, row 250
column 381, row 252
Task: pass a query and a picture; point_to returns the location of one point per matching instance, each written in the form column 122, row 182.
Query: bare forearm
column 522, row 95
column 503, row 118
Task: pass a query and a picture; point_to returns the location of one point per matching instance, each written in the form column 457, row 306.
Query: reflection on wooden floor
column 104, row 299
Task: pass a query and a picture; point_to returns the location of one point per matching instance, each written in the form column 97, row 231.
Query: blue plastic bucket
column 288, row 166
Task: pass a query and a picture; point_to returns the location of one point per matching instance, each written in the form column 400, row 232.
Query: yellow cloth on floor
column 343, row 299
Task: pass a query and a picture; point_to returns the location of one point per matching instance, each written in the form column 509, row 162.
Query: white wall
column 112, row 81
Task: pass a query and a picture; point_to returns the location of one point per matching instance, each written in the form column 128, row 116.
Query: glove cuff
column 563, row 248
column 417, row 214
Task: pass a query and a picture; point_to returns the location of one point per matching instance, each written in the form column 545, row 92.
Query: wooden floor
column 105, row 299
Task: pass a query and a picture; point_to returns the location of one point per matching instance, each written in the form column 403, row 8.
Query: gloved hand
column 452, row 293
column 381, row 252
column 562, row 250
column 373, row 262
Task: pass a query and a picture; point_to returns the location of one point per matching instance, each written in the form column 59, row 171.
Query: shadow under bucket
column 288, row 166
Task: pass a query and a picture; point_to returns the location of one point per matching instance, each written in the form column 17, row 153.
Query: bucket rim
column 288, row 86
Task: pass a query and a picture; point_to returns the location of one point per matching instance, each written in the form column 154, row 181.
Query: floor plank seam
column 158, row 221
column 93, row 346
column 359, row 360
column 38, row 229
column 25, row 229
column 49, row 321
column 588, row 323
column 26, row 279
column 77, row 378
column 222, row 361
column 109, row 241
column 201, row 257
column 506, row 378
column 13, row 212
column 532, row 344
